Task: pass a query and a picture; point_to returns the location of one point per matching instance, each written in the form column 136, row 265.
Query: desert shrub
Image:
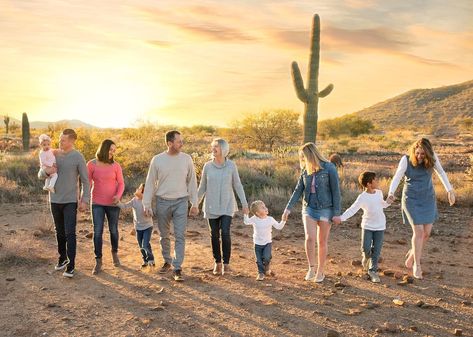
column 275, row 199
column 347, row 125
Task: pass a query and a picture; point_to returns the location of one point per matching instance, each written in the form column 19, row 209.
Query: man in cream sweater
column 171, row 178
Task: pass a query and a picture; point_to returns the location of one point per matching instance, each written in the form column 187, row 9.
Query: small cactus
column 6, row 120
column 311, row 95
column 25, row 132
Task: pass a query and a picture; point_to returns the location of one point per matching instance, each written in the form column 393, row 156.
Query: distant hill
column 439, row 109
column 71, row 123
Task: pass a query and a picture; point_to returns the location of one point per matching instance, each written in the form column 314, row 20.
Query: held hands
column 246, row 210
column 337, row 220
column 82, row 206
column 148, row 211
column 285, row 215
column 194, row 211
column 451, row 197
column 390, row 199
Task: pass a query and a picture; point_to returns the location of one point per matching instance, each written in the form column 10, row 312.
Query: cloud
column 216, row 32
column 341, row 41
column 197, row 24
column 334, row 38
column 159, row 43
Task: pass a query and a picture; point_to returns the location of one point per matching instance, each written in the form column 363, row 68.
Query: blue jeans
column 144, row 238
column 98, row 218
column 221, row 227
column 65, row 220
column 371, row 244
column 263, row 256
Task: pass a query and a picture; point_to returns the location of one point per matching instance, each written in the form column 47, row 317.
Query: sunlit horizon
column 118, row 64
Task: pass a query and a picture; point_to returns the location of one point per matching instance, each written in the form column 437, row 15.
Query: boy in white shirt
column 373, row 222
column 262, row 236
column 47, row 159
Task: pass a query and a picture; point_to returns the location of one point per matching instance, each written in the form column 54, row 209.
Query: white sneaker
column 310, row 276
column 320, row 278
column 260, row 277
column 374, row 277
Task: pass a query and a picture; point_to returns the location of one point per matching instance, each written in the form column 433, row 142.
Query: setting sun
column 106, row 97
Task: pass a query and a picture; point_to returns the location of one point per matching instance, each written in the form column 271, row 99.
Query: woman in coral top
column 106, row 182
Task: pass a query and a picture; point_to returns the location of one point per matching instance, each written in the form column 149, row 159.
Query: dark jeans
column 144, row 238
column 98, row 218
column 65, row 219
column 221, row 227
column 263, row 256
column 371, row 244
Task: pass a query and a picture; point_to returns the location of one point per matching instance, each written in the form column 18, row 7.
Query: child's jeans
column 144, row 238
column 263, row 256
column 371, row 244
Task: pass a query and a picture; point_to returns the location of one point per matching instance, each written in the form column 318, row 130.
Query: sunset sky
column 113, row 63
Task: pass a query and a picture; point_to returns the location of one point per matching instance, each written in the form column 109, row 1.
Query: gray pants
column 175, row 211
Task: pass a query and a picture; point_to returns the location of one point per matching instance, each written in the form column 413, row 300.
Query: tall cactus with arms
column 311, row 95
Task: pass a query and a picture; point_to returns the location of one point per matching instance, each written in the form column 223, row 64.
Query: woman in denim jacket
column 319, row 186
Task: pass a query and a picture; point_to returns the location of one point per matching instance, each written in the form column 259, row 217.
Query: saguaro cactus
column 25, row 132
column 6, row 120
column 311, row 95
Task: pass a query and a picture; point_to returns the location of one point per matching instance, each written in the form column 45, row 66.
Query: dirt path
column 127, row 301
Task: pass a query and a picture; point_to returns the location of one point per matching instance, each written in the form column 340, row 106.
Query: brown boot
column 217, row 268
column 115, row 259
column 226, row 269
column 97, row 267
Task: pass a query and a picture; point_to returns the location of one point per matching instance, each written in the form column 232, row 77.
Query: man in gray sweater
column 171, row 178
column 70, row 165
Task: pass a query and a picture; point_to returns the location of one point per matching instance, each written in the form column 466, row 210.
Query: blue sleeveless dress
column 419, row 204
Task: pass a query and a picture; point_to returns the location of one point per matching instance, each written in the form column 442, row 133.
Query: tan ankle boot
column 217, row 268
column 115, row 259
column 97, row 267
column 226, row 269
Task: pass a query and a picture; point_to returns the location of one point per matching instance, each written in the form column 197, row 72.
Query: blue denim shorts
column 324, row 214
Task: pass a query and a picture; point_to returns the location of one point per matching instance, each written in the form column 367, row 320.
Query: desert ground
column 127, row 301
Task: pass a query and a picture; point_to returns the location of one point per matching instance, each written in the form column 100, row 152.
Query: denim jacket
column 327, row 189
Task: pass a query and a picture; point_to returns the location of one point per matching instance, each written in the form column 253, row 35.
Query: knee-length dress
column 419, row 204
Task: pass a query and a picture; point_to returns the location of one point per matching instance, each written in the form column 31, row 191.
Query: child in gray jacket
column 143, row 225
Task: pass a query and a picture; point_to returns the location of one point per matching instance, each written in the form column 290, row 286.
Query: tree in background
column 310, row 96
column 263, row 131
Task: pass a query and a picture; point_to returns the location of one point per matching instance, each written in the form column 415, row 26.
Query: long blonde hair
column 310, row 158
column 429, row 159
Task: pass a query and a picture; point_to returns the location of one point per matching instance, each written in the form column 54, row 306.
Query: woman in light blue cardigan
column 219, row 179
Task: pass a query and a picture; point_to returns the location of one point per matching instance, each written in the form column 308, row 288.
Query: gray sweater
column 217, row 185
column 70, row 166
column 140, row 220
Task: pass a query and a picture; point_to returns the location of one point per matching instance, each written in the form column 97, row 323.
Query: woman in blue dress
column 419, row 205
column 319, row 186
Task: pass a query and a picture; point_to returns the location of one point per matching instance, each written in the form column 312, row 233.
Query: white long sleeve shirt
column 372, row 205
column 263, row 228
column 401, row 170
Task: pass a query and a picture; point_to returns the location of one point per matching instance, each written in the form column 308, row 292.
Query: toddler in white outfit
column 47, row 159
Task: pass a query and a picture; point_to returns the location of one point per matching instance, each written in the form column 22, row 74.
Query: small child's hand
column 390, row 199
